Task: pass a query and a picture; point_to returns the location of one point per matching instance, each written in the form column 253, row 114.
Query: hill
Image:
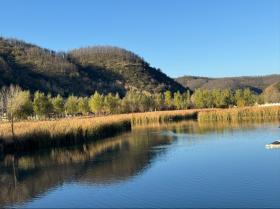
column 272, row 93
column 79, row 72
column 255, row 83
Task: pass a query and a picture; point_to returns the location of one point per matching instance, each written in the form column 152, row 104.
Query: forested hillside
column 255, row 83
column 79, row 72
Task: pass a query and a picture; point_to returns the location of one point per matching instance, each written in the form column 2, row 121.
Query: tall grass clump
column 241, row 114
column 65, row 132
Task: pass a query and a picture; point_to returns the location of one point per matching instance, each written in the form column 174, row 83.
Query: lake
column 188, row 164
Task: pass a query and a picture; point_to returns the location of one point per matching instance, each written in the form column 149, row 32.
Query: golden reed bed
column 31, row 135
column 256, row 113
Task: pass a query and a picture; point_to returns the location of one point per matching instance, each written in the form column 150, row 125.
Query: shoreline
column 36, row 135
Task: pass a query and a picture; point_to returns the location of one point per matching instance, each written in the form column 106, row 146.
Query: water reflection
column 194, row 127
column 110, row 161
column 105, row 162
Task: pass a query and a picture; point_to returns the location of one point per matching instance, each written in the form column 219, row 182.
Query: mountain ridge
column 255, row 83
column 80, row 71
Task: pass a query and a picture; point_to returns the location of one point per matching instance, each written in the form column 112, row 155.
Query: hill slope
column 79, row 72
column 255, row 83
column 272, row 93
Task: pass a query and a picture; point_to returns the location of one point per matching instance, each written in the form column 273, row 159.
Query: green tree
column 249, row 97
column 42, row 105
column 83, row 106
column 203, row 99
column 159, row 101
column 58, row 105
column 222, row 98
column 71, row 105
column 130, row 102
column 145, row 102
column 24, row 106
column 178, row 100
column 186, row 103
column 112, row 104
column 96, row 103
column 198, row 98
column 244, row 97
column 238, row 96
column 168, row 99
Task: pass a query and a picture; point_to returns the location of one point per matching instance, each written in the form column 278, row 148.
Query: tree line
column 18, row 104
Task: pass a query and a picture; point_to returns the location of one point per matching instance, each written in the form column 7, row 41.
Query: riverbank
column 34, row 135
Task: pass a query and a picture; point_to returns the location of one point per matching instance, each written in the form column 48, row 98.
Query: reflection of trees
column 195, row 127
column 104, row 162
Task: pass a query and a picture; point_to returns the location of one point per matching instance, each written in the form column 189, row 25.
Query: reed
column 34, row 135
column 139, row 119
column 241, row 114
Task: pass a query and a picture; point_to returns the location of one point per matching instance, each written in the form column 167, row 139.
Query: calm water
column 177, row 165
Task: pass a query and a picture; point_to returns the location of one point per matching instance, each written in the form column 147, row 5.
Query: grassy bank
column 33, row 135
column 241, row 114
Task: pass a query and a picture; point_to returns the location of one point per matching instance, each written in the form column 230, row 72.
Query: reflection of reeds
column 241, row 114
column 204, row 127
column 61, row 156
column 101, row 162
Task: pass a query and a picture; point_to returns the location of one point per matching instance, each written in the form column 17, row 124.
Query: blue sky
column 188, row 37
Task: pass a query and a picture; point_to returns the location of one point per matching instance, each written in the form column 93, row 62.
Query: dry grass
column 159, row 117
column 32, row 135
column 65, row 126
column 58, row 127
column 241, row 114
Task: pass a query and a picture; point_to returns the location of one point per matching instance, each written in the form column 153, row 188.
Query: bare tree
column 3, row 102
column 12, row 94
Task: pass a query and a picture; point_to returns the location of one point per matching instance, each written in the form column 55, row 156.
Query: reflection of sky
column 217, row 169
